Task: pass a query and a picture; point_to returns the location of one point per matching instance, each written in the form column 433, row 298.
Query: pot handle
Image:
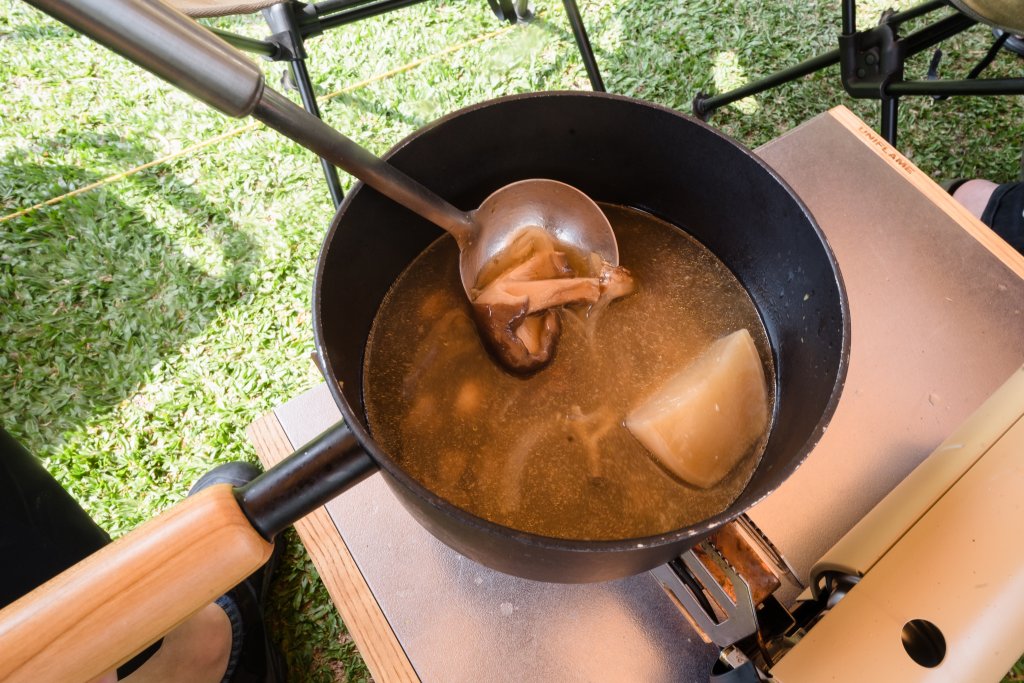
column 108, row 607
column 314, row 474
column 112, row 604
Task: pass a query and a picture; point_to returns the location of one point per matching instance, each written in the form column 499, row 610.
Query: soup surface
column 549, row 454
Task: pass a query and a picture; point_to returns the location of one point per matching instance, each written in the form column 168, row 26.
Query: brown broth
column 550, row 454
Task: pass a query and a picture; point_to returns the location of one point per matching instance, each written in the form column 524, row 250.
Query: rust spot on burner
column 744, row 560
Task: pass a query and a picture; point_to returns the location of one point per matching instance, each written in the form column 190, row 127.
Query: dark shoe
column 234, row 473
column 1014, row 43
column 253, row 657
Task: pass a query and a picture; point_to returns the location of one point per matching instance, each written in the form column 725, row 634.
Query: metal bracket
column 289, row 48
column 287, row 34
column 690, row 584
column 780, row 565
column 871, row 59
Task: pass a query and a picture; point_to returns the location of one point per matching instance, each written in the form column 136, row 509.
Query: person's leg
column 1000, row 207
column 975, row 195
column 195, row 652
column 43, row 531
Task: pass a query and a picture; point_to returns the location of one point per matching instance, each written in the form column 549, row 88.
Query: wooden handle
column 111, row 605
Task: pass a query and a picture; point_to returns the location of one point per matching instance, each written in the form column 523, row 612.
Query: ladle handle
column 166, row 42
column 281, row 114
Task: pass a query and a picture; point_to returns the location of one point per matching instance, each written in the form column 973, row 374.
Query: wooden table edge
column 363, row 617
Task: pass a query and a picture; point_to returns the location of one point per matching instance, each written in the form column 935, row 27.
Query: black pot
column 621, row 151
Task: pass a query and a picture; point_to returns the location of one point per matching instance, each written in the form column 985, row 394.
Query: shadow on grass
column 667, row 53
column 98, row 289
column 378, row 108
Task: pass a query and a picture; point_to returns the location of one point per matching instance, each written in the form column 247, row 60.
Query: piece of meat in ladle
column 518, row 294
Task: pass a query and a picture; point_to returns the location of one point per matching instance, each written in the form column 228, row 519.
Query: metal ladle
column 182, row 52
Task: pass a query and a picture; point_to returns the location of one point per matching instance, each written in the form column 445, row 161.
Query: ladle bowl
column 570, row 216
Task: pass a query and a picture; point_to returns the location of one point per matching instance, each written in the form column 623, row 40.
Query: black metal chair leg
column 579, row 32
column 305, row 86
column 287, row 33
column 890, row 118
column 871, row 64
column 704, row 104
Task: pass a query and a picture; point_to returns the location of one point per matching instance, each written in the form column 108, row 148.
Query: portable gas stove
column 866, row 578
column 923, row 587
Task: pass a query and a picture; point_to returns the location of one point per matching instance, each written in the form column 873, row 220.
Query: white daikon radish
column 707, row 417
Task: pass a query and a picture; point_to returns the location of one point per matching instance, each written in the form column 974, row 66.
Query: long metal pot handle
column 166, row 42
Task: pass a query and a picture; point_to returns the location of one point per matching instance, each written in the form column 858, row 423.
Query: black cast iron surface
column 312, row 475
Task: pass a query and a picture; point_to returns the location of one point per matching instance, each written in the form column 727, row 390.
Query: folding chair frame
column 871, row 65
column 292, row 22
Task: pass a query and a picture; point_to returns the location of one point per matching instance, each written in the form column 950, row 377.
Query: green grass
column 146, row 323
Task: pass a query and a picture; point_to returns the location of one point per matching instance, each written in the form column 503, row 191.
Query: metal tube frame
column 579, row 33
column 287, row 34
column 871, row 65
column 318, row 17
column 265, row 48
column 293, row 22
column 704, row 105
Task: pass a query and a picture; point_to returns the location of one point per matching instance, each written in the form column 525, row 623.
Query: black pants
column 43, row 530
column 1004, row 213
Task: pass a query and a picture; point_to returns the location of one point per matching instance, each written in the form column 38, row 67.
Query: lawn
column 149, row 318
